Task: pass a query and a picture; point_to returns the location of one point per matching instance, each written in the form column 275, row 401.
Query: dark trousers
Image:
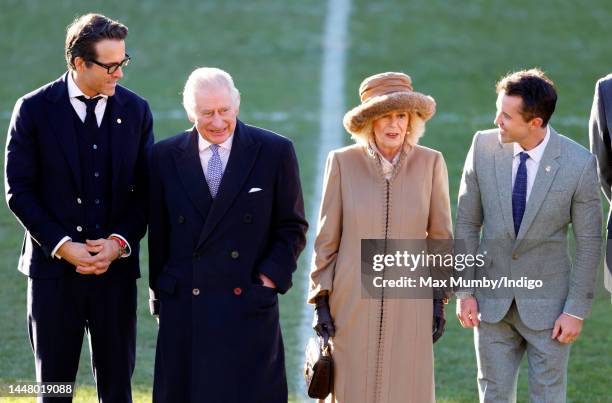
column 61, row 310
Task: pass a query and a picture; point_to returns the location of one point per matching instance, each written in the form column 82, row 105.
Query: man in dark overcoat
column 226, row 228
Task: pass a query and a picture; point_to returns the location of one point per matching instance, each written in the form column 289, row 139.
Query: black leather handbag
column 318, row 368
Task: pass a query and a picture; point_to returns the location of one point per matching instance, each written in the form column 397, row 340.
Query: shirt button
column 79, row 201
column 95, row 146
column 195, row 291
column 237, row 291
column 79, row 228
column 235, row 254
column 96, row 174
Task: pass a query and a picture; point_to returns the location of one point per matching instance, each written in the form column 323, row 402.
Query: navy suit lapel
column 242, row 158
column 189, row 171
column 118, row 140
column 60, row 116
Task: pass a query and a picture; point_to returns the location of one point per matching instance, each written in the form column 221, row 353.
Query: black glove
column 438, row 319
column 322, row 323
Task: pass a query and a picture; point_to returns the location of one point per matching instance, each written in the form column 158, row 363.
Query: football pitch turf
column 454, row 51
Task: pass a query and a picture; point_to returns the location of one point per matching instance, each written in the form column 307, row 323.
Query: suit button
column 237, row 291
column 181, row 219
column 248, row 218
column 196, row 255
column 235, row 254
column 79, row 201
column 79, row 228
column 515, row 257
column 195, row 291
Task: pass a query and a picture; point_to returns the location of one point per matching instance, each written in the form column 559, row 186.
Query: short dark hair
column 536, row 90
column 87, row 30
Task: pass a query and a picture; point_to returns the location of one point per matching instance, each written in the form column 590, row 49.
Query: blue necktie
column 215, row 170
column 519, row 193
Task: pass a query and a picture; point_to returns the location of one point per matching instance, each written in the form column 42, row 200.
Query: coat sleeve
column 329, row 232
column 469, row 212
column 159, row 230
column 288, row 226
column 599, row 137
column 586, row 225
column 23, row 176
column 132, row 225
column 439, row 226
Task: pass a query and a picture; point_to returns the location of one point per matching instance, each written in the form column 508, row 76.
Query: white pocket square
column 253, row 190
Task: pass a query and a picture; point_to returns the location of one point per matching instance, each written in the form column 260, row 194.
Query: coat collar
column 243, row 155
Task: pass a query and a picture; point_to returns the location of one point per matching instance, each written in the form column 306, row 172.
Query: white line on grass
column 335, row 44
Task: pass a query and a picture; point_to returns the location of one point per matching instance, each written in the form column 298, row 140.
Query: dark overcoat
column 219, row 335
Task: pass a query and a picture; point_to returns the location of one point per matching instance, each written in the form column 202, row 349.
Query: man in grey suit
column 600, row 126
column 522, row 185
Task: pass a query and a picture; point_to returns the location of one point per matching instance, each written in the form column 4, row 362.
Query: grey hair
column 206, row 78
column 416, row 129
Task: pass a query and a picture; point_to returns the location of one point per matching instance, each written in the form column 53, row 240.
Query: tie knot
column 523, row 156
column 90, row 103
column 214, row 148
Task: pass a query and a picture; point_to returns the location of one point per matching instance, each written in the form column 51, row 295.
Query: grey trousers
column 499, row 350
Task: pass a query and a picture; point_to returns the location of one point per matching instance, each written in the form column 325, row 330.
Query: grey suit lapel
column 543, row 180
column 503, row 174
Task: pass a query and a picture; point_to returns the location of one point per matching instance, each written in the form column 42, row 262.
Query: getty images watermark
column 412, row 268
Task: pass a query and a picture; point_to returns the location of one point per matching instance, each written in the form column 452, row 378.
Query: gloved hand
column 438, row 319
column 323, row 323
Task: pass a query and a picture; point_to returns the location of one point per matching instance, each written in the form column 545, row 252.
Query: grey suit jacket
column 565, row 191
column 600, row 137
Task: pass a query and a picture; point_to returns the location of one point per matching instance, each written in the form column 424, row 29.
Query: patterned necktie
column 215, row 170
column 519, row 193
column 91, row 123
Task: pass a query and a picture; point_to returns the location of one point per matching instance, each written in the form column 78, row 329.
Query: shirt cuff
column 128, row 250
column 573, row 316
column 59, row 245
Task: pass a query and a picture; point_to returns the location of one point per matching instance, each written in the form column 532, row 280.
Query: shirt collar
column 203, row 144
column 74, row 90
column 536, row 152
column 392, row 162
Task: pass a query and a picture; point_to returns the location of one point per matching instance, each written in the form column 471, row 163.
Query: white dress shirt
column 81, row 110
column 79, row 106
column 206, row 153
column 532, row 163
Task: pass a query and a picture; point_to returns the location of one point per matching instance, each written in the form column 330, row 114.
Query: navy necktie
column 519, row 193
column 90, row 118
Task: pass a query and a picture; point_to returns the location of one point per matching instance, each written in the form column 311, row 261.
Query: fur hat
column 383, row 93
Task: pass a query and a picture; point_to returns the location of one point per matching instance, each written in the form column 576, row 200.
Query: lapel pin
column 119, row 120
column 547, row 168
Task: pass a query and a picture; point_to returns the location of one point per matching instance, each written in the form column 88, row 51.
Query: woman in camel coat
column 386, row 187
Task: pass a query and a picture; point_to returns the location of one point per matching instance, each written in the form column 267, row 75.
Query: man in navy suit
column 77, row 180
column 226, row 228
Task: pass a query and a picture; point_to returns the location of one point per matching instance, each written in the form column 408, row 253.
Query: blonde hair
column 416, row 129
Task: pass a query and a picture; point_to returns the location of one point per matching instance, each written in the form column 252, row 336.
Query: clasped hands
column 91, row 257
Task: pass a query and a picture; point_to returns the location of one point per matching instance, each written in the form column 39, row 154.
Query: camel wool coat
column 382, row 350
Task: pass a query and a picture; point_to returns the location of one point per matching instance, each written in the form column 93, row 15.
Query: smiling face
column 390, row 131
column 94, row 79
column 214, row 113
column 512, row 125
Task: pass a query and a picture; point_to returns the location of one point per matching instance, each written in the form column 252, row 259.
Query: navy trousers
column 61, row 310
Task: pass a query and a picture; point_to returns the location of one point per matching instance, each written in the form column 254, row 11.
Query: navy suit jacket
column 205, row 257
column 43, row 179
